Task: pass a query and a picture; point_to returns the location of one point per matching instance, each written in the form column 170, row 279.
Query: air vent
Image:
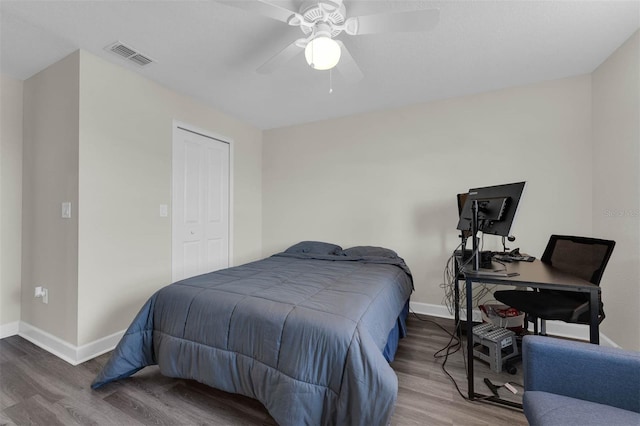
column 122, row 50
column 140, row 59
column 128, row 53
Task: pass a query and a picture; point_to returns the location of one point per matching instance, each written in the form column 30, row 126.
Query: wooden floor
column 37, row 388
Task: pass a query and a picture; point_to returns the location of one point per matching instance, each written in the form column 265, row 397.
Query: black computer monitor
column 497, row 206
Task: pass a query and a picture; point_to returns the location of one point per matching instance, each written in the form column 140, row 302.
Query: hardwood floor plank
column 56, row 371
column 69, row 387
column 23, row 346
column 235, row 402
column 9, row 352
column 70, row 412
column 32, row 411
column 145, row 411
column 6, row 421
column 13, row 387
column 95, row 365
column 217, row 407
column 90, row 411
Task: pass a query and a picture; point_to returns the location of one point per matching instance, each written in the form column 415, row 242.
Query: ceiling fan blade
column 347, row 65
column 284, row 56
column 281, row 10
column 411, row 21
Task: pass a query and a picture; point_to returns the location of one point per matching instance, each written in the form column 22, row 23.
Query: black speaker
column 485, row 259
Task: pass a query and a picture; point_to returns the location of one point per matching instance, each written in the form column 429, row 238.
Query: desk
column 531, row 274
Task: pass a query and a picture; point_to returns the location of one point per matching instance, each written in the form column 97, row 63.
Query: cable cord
column 450, row 281
column 453, row 345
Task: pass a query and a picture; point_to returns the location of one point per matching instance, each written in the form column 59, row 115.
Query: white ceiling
column 210, row 50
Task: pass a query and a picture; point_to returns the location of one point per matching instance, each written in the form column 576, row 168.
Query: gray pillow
column 360, row 251
column 314, row 247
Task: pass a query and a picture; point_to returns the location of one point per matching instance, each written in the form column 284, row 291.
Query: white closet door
column 200, row 204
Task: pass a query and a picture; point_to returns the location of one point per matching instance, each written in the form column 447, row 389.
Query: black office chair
column 579, row 256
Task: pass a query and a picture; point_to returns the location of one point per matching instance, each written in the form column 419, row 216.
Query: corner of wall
column 616, row 196
column 11, row 142
column 50, row 177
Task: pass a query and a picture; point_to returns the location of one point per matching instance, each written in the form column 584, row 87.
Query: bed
column 308, row 332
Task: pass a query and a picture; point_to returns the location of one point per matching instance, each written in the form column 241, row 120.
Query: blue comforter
column 303, row 334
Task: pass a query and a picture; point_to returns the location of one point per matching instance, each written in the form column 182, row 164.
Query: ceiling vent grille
column 128, row 53
column 140, row 59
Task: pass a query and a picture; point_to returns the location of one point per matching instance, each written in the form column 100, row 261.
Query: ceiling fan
column 321, row 21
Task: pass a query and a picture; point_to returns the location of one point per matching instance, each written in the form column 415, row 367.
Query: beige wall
column 616, row 189
column 10, row 198
column 50, row 176
column 125, row 174
column 390, row 178
column 100, row 136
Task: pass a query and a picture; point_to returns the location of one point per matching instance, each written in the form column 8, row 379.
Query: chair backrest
column 579, row 256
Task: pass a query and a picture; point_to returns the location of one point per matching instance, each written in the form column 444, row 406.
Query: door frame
column 180, row 125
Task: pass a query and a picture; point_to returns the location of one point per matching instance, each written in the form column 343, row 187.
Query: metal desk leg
column 469, row 297
column 470, row 372
column 594, row 326
column 456, row 315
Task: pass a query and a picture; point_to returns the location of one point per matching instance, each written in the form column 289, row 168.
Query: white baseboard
column 10, row 329
column 98, row 347
column 72, row 354
column 439, row 311
column 555, row 328
column 48, row 342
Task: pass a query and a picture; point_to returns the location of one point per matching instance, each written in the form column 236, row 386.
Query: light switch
column 66, row 210
column 164, row 210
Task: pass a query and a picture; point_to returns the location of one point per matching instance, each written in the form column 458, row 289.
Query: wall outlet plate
column 42, row 292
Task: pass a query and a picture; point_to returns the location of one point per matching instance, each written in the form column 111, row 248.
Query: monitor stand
column 476, row 270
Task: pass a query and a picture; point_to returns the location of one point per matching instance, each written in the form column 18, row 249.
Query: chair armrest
column 581, row 370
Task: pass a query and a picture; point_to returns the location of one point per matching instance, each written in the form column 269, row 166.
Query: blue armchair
column 576, row 383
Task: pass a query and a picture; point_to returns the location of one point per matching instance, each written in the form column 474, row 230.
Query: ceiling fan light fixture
column 322, row 53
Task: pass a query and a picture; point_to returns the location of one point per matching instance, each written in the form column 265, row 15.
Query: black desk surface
column 535, row 274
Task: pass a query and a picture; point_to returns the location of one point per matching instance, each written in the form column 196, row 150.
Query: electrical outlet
column 42, row 292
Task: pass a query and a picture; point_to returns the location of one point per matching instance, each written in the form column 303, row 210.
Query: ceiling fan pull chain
column 330, row 81
column 312, row 64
